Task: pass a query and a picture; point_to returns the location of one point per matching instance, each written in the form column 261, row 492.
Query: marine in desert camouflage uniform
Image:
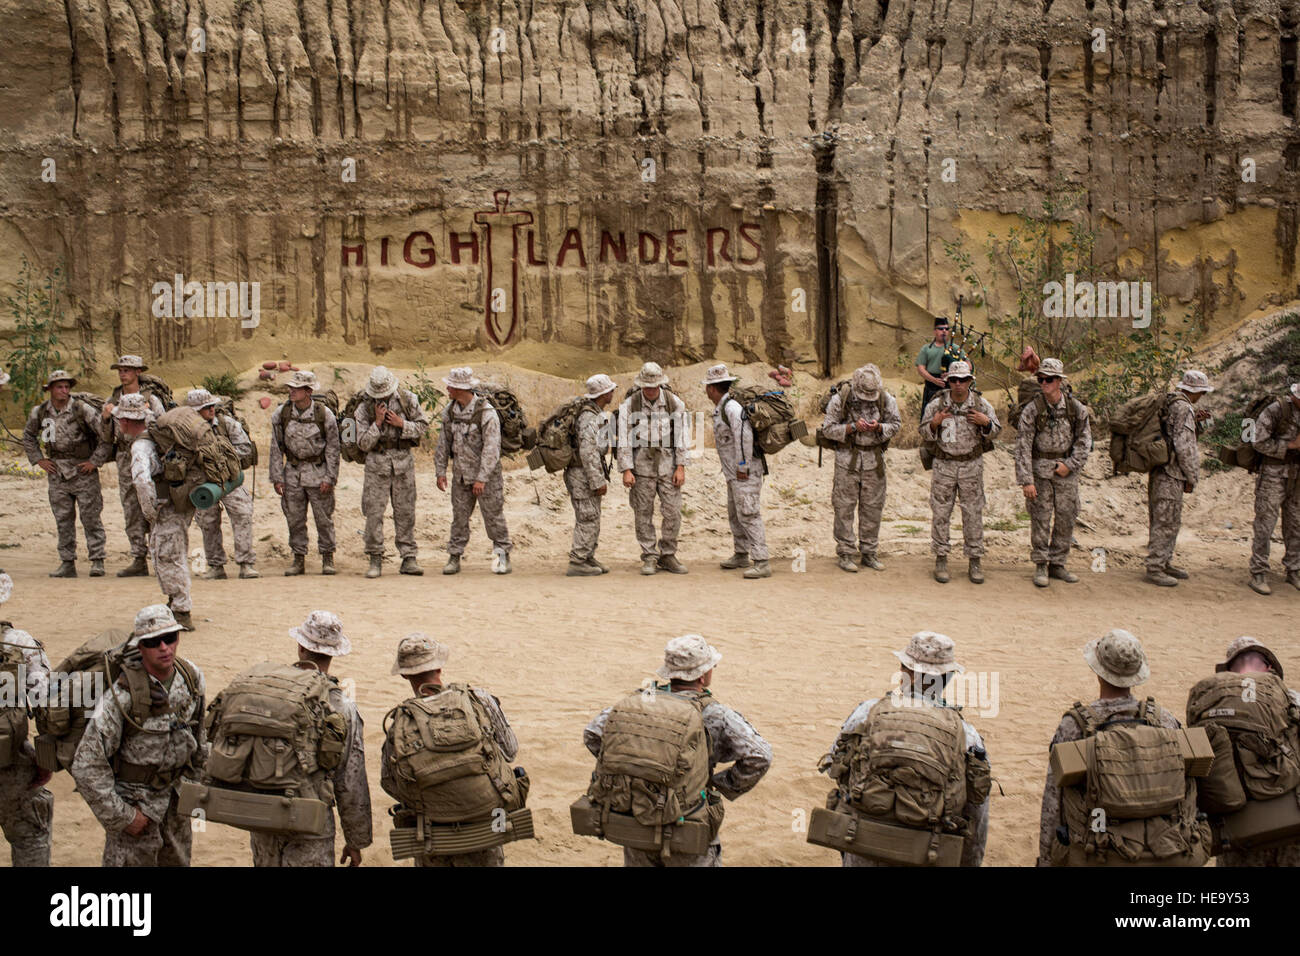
column 471, row 438
column 71, row 458
column 586, row 478
column 652, row 456
column 390, row 422
column 320, row 639
column 1049, row 456
column 26, row 806
column 420, row 659
column 955, row 419
column 1167, row 483
column 238, row 504
column 1277, row 489
column 131, row 777
column 128, row 368
column 862, row 418
column 743, row 467
column 305, row 469
column 927, row 653
column 169, row 528
column 688, row 664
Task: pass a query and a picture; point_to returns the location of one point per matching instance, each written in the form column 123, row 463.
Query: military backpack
column 151, row 385
column 320, row 400
column 557, row 436
column 14, row 710
column 770, row 414
column 192, row 453
column 1139, row 435
column 227, row 408
column 350, row 427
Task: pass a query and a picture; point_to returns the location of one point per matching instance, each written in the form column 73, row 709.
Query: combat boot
column 1293, row 579
column 183, row 619
column 846, row 564
column 1040, row 576
column 1174, row 572
column 68, row 569
column 97, row 568
column 298, row 566
column 409, row 566
column 580, row 569
column 761, row 569
column 869, row 560
column 941, row 570
column 669, row 563
column 738, row 560
column 376, row 566
column 136, row 569
column 248, row 571
column 649, row 565
column 327, row 563
column 975, row 572
column 502, row 564
column 216, row 573
column 453, row 564
column 1259, row 584
column 596, row 564
column 1062, row 573
column 1160, row 579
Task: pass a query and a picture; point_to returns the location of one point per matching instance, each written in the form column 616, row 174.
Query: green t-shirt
column 936, row 358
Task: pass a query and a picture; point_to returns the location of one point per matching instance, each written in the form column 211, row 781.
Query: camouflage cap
column 929, row 653
column 1243, row 644
column 418, row 653
column 960, row 370
column 322, row 633
column 718, row 373
column 133, row 407
column 303, row 379
column 382, row 384
column 6, row 587
column 201, row 398
column 1195, row 381
column 59, row 375
column 651, row 375
column 1117, row 658
column 151, row 621
column 1051, row 367
column 599, row 385
column 867, row 383
column 688, row 657
column 132, row 362
column 461, row 377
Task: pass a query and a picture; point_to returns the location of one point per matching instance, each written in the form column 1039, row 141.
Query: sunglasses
column 1042, row 379
column 152, row 642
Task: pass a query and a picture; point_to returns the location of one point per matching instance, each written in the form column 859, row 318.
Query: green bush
column 37, row 308
column 223, row 384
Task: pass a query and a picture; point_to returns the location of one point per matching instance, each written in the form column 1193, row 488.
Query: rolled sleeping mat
column 209, row 493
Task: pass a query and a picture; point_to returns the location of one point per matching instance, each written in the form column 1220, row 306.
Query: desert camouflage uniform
column 137, row 529
column 734, row 438
column 859, row 481
column 390, row 470
column 1051, row 817
column 958, row 479
column 302, row 479
column 509, row 744
column 26, row 812
column 167, row 742
column 1165, row 484
column 1037, row 455
column 169, row 529
column 583, row 477
column 69, row 489
column 351, row 797
column 732, row 739
column 238, row 504
column 1277, row 486
column 972, row 853
column 475, row 454
column 658, row 433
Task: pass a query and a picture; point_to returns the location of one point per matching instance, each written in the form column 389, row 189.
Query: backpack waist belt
column 152, row 777
column 389, row 444
column 293, row 459
column 969, row 456
column 1039, row 455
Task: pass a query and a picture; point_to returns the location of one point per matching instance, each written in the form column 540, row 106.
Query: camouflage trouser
column 137, row 529
column 274, row 849
column 744, row 513
column 169, row 540
column 294, row 504
column 712, row 857
column 494, row 856
column 864, row 491
column 239, row 505
column 491, row 504
column 1285, row 855
column 586, row 522
column 25, row 815
column 1058, row 498
column 66, row 496
column 1275, row 494
column 159, row 844
column 950, row 481
column 641, row 496
column 1165, row 517
column 390, row 476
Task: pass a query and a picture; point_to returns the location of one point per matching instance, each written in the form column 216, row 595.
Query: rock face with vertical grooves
column 685, row 179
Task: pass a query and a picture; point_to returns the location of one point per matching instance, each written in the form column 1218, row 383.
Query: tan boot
column 845, row 563
column 376, row 566
column 869, row 560
column 298, row 567
column 975, row 572
column 183, row 619
column 1040, row 576
column 327, row 563
column 1178, row 573
column 761, row 569
column 248, row 571
column 68, row 569
column 453, row 564
column 1160, row 579
column 650, row 565
column 738, row 560
column 581, row 569
column 410, row 566
column 941, row 570
column 1062, row 573
column 1293, row 579
column 669, row 563
column 136, row 569
column 1259, row 584
column 97, row 568
column 215, row 573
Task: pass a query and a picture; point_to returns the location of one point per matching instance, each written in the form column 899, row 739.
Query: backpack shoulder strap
column 318, row 414
column 1084, row 717
column 845, row 393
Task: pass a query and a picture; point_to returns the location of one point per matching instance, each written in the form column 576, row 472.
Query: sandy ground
column 800, row 649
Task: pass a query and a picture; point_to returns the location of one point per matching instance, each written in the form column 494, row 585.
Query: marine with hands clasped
column 652, row 455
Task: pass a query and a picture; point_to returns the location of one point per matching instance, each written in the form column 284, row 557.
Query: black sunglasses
column 1048, row 378
column 171, row 637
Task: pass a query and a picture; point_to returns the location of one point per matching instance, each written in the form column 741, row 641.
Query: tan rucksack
column 446, row 762
column 192, row 453
column 1137, row 806
column 1252, row 724
column 1139, row 438
column 13, row 715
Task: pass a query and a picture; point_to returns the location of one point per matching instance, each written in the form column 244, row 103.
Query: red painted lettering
column 607, row 243
column 457, row 244
column 532, row 256
column 383, row 251
column 359, row 250
column 572, row 240
column 744, row 234
column 672, row 247
column 429, row 255
column 641, row 238
column 723, row 254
